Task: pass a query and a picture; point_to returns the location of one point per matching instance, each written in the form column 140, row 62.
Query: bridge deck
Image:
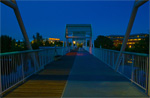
column 89, row 77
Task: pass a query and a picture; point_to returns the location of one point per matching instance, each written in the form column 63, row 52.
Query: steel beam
column 9, row 3
column 22, row 27
column 137, row 4
column 19, row 19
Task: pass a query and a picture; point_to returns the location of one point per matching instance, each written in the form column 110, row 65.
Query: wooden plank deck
column 89, row 77
column 50, row 82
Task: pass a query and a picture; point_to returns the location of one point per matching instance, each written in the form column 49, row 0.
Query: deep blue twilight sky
column 50, row 17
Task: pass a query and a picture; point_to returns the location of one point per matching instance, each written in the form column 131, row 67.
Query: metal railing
column 15, row 67
column 133, row 66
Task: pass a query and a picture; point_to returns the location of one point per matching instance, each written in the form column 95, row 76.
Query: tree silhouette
column 38, row 41
column 142, row 46
column 104, row 42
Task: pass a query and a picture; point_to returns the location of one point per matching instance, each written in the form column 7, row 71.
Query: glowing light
column 32, row 41
column 80, row 54
column 55, row 39
column 71, row 54
column 130, row 42
column 130, row 46
column 74, row 42
column 137, row 35
column 135, row 39
column 129, row 61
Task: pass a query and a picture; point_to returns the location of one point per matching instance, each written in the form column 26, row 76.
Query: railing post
column 35, row 64
column 22, row 67
column 106, row 57
column 113, row 59
column 62, row 51
column 1, row 78
column 123, row 63
column 102, row 55
column 109, row 59
column 132, row 74
column 148, row 66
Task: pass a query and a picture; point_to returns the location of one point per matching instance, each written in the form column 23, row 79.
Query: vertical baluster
column 40, row 58
column 139, row 69
column 123, row 57
column 16, row 68
column 143, row 82
column 13, row 69
column 103, row 56
column 132, row 72
column 1, row 76
column 7, row 67
column 22, row 63
column 148, row 76
column 110, row 58
column 5, row 74
column 9, row 63
column 113, row 58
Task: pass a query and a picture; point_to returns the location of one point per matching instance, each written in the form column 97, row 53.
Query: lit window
column 130, row 39
column 130, row 46
column 130, row 42
column 139, row 39
column 74, row 42
column 135, row 39
column 137, row 35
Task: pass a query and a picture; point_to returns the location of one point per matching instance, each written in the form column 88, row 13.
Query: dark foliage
column 104, row 42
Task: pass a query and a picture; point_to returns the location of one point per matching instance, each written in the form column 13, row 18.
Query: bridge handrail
column 26, row 51
column 134, row 66
column 125, row 52
column 17, row 66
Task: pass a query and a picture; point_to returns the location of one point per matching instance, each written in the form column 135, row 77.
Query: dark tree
column 104, row 42
column 142, row 46
column 47, row 43
column 5, row 43
column 38, row 41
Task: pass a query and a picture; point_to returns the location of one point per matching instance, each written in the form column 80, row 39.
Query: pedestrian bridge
column 76, row 74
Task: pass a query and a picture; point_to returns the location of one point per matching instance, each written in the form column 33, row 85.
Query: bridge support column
column 90, row 45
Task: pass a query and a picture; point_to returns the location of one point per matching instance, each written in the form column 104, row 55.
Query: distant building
column 118, row 39
column 50, row 40
column 79, row 34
